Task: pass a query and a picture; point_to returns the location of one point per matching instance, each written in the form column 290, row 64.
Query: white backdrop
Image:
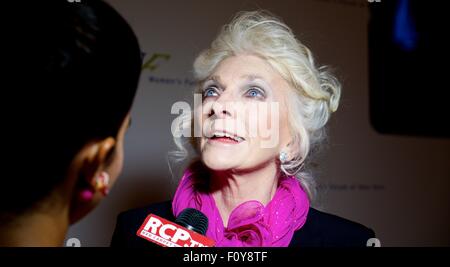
column 399, row 186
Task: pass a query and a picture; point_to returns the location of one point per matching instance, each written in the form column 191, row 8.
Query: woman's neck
column 34, row 230
column 230, row 189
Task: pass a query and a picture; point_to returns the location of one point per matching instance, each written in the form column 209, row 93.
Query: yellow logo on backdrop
column 151, row 63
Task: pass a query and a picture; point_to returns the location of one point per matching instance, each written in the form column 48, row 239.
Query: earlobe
column 285, row 153
column 100, row 184
column 292, row 149
column 93, row 178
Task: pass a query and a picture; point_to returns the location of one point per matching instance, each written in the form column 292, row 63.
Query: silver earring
column 283, row 156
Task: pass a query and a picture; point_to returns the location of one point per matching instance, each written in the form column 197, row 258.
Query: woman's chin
column 220, row 163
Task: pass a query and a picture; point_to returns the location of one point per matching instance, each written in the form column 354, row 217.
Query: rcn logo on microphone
column 168, row 234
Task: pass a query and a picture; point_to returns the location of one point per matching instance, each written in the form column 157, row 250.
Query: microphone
column 193, row 220
column 188, row 230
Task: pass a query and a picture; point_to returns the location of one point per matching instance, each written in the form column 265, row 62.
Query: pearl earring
column 283, row 156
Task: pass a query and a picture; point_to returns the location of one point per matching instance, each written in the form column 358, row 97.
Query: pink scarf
column 250, row 224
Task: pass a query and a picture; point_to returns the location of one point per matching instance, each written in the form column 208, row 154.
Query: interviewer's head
column 68, row 111
column 256, row 59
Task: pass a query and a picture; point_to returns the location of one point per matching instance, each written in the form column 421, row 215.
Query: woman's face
column 243, row 115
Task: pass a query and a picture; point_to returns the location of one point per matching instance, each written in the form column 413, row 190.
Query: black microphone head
column 193, row 220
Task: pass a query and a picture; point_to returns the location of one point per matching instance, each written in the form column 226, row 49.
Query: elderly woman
column 251, row 184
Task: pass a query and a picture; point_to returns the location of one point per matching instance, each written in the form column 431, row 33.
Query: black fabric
column 320, row 229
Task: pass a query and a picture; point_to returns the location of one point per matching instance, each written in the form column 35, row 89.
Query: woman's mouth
column 226, row 138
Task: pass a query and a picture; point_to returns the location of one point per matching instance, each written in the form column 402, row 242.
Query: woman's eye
column 210, row 91
column 255, row 92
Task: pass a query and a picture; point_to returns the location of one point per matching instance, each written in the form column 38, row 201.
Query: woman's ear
column 95, row 160
column 291, row 149
column 92, row 178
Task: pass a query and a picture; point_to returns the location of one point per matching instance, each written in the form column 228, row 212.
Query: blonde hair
column 315, row 92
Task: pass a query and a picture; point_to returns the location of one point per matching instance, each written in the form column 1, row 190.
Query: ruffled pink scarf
column 250, row 224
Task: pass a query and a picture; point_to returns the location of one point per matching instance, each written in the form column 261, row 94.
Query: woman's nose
column 221, row 110
column 224, row 105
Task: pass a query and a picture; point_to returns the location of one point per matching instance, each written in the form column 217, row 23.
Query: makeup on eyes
column 253, row 86
column 255, row 91
column 210, row 89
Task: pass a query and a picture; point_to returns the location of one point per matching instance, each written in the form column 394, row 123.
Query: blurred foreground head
column 75, row 73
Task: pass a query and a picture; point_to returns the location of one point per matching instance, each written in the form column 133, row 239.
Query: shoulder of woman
column 161, row 209
column 129, row 222
column 327, row 230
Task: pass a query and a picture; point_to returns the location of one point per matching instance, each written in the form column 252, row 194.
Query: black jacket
column 320, row 229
